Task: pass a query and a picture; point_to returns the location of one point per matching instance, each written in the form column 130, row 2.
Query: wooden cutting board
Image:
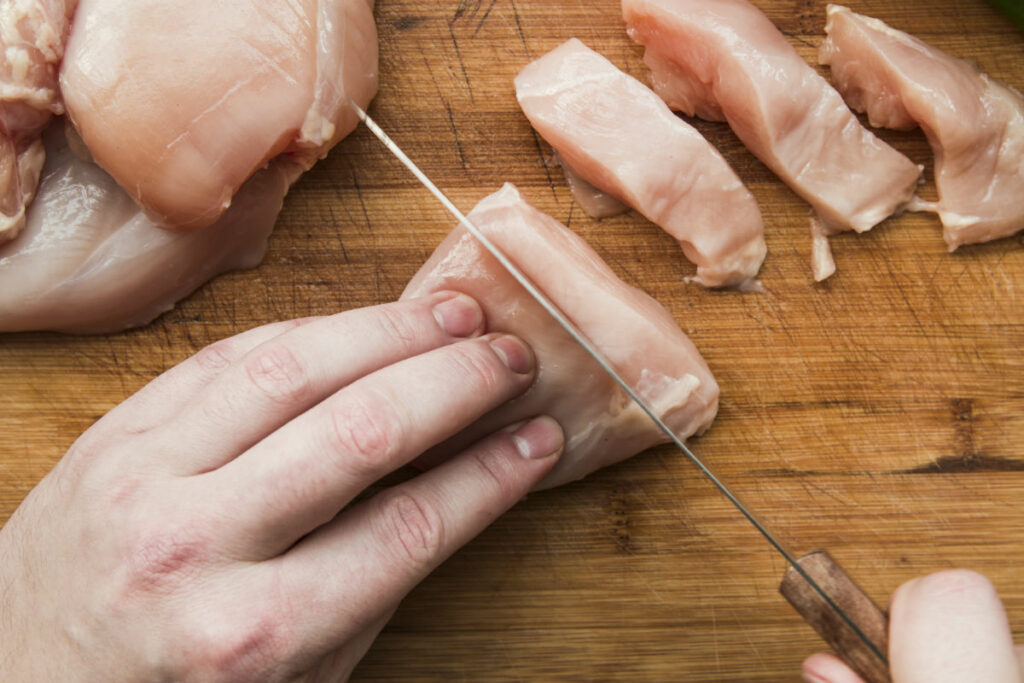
column 880, row 414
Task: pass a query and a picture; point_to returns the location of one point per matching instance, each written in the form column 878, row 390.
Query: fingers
column 827, row 668
column 1020, row 658
column 300, row 476
column 950, row 627
column 285, row 376
column 338, row 666
column 162, row 399
column 391, row 542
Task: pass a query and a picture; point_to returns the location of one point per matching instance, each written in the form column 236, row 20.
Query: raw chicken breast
column 621, row 138
column 90, row 261
column 725, row 60
column 182, row 101
column 594, row 202
column 635, row 333
column 974, row 124
column 32, row 37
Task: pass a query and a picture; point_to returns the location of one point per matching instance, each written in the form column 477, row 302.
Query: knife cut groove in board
column 580, row 338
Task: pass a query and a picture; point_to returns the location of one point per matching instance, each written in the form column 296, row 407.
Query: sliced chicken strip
column 181, row 102
column 636, row 334
column 616, row 134
column 725, row 60
column 975, row 124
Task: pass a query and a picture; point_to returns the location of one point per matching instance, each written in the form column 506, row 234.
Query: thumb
column 827, row 668
column 951, row 626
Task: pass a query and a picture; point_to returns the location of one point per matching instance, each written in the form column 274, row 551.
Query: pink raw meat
column 635, row 333
column 975, row 124
column 725, row 60
column 621, row 138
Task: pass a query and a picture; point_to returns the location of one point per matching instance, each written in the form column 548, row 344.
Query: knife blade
column 843, row 615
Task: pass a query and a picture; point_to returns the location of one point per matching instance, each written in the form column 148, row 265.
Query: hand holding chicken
column 194, row 532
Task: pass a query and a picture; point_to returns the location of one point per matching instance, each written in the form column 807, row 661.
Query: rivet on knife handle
column 869, row 663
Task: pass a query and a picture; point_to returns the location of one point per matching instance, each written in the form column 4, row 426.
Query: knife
column 820, row 590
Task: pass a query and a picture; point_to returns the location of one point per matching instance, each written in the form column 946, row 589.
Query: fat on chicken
column 637, row 335
column 975, row 124
column 90, row 261
column 724, row 60
column 619, row 136
column 32, row 38
column 182, row 101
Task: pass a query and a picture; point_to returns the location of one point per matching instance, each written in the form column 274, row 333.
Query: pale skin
column 205, row 530
column 194, row 534
column 948, row 627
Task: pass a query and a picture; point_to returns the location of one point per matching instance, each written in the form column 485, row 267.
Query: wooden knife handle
column 848, row 596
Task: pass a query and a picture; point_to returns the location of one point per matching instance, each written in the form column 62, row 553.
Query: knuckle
column 87, row 448
column 277, row 374
column 495, row 470
column 123, row 492
column 236, row 649
column 216, row 356
column 397, row 326
column 413, row 529
column 365, row 432
column 476, row 365
column 161, row 559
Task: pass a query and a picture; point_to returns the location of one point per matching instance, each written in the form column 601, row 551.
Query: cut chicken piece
column 32, row 37
column 635, row 333
column 90, row 261
column 620, row 137
column 974, row 124
column 724, row 59
column 181, row 102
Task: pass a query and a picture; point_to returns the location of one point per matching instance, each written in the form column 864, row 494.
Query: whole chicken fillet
column 637, row 335
column 725, row 60
column 183, row 101
column 90, row 261
column 32, row 38
column 975, row 124
column 620, row 137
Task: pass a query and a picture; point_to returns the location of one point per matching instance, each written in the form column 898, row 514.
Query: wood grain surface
column 880, row 414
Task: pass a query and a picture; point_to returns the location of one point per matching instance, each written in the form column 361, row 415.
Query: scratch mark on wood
column 483, row 19
column 462, row 64
column 362, row 201
column 519, row 27
column 338, row 234
column 462, row 7
column 455, row 134
column 798, row 38
column 612, row 258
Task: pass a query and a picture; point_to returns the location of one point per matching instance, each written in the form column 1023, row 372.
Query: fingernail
column 539, row 438
column 812, row 678
column 513, row 353
column 459, row 316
